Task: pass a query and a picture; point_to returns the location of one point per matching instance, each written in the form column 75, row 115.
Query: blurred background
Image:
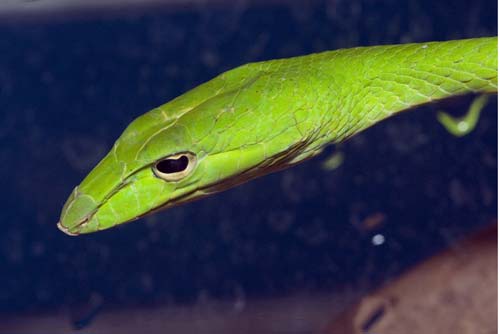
column 292, row 249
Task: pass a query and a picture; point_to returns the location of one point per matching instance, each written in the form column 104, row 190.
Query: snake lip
column 65, row 230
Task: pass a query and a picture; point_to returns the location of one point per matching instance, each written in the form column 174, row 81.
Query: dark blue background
column 68, row 89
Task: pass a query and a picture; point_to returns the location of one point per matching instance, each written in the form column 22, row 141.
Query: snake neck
column 375, row 83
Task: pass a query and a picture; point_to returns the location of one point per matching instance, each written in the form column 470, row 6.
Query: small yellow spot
column 333, row 162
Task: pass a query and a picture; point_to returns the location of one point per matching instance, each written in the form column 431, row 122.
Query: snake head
column 214, row 137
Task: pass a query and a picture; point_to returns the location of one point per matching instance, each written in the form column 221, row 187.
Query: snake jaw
column 65, row 230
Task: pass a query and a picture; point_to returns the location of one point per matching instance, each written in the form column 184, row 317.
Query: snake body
column 266, row 116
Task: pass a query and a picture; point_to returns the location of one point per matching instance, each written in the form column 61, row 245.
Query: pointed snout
column 76, row 213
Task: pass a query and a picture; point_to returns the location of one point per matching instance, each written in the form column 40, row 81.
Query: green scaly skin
column 266, row 116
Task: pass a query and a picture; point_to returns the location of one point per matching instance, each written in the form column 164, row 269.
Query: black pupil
column 170, row 165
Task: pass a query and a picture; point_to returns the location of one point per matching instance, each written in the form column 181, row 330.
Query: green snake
column 267, row 116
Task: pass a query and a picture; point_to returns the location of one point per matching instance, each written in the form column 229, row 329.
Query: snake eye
column 175, row 167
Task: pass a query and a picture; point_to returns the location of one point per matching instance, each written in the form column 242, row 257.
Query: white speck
column 378, row 239
column 425, row 46
column 463, row 126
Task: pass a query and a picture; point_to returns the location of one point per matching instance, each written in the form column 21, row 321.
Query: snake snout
column 77, row 211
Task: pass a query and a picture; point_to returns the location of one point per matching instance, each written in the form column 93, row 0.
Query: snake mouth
column 65, row 229
column 85, row 213
column 78, row 226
